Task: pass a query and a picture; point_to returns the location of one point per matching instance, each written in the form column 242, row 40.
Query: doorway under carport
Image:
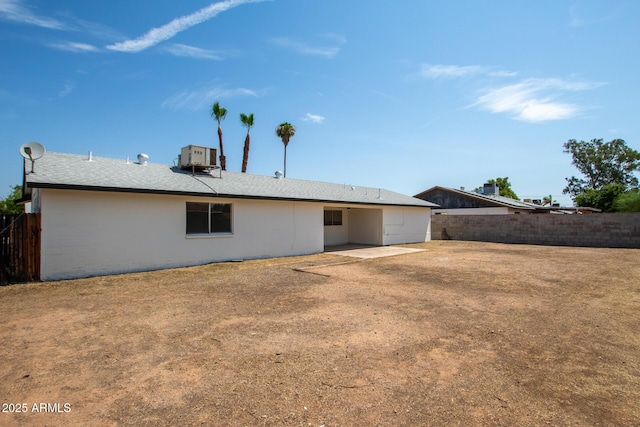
column 352, row 225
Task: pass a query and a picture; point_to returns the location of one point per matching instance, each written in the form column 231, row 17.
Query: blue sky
column 401, row 95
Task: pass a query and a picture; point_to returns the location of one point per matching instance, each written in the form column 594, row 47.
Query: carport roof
column 72, row 171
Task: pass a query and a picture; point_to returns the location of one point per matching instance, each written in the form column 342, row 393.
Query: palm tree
column 247, row 120
column 285, row 131
column 547, row 200
column 219, row 113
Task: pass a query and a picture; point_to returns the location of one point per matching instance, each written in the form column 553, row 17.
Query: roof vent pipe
column 143, row 158
column 90, row 159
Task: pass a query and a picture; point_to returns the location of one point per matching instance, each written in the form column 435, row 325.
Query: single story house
column 103, row 216
column 452, row 201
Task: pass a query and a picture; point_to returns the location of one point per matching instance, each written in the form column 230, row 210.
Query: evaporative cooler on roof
column 198, row 157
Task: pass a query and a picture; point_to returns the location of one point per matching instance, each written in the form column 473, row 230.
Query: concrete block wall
column 616, row 230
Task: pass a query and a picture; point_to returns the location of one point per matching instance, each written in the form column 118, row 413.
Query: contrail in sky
column 165, row 32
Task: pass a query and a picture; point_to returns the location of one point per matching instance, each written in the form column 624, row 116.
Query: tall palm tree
column 247, row 120
column 219, row 113
column 285, row 131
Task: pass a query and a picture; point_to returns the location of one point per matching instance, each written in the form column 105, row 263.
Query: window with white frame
column 208, row 218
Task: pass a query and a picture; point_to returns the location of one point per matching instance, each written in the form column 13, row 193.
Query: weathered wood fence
column 19, row 248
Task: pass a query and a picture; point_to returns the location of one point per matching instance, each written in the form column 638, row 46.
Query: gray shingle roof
column 493, row 199
column 57, row 170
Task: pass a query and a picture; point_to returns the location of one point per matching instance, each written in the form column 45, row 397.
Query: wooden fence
column 19, row 248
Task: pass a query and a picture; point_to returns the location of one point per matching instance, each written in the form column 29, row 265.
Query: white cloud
column 435, row 71
column 192, row 52
column 304, row 48
column 338, row 38
column 68, row 88
column 13, row 10
column 313, row 118
column 201, row 98
column 165, row 32
column 502, row 73
column 534, row 100
column 583, row 14
column 74, row 47
column 430, row 71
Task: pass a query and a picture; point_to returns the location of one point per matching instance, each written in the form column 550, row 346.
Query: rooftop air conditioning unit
column 198, row 157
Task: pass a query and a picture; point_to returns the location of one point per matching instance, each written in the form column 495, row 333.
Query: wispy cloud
column 588, row 13
column 440, row 71
column 306, row 49
column 165, row 32
column 192, row 52
column 437, row 71
column 534, row 100
column 502, row 73
column 14, row 10
column 313, row 118
column 385, row 95
column 97, row 30
column 68, row 88
column 201, row 98
column 338, row 38
column 74, row 47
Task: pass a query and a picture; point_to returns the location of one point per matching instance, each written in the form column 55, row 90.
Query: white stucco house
column 104, row 216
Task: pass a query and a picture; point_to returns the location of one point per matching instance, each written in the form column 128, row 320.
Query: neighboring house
column 462, row 202
column 103, row 216
column 453, row 201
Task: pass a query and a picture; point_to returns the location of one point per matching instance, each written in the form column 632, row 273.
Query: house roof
column 488, row 198
column 511, row 203
column 71, row 171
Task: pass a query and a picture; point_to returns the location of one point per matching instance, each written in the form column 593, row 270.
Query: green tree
column 219, row 113
column 8, row 205
column 504, row 187
column 628, row 202
column 247, row 120
column 601, row 198
column 285, row 131
column 601, row 163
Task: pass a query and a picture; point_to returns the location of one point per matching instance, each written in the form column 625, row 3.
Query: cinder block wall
column 616, row 230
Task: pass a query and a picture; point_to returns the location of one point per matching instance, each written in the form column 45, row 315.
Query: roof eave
column 217, row 195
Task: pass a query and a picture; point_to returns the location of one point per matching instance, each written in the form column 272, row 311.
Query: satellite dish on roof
column 32, row 151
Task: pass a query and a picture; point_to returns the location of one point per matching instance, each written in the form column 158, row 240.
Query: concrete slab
column 374, row 251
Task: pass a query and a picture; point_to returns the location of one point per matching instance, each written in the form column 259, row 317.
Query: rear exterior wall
column 405, row 224
column 91, row 233
column 87, row 233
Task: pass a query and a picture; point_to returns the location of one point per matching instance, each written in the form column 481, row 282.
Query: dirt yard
column 464, row 333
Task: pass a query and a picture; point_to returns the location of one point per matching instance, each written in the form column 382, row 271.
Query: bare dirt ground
column 464, row 333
